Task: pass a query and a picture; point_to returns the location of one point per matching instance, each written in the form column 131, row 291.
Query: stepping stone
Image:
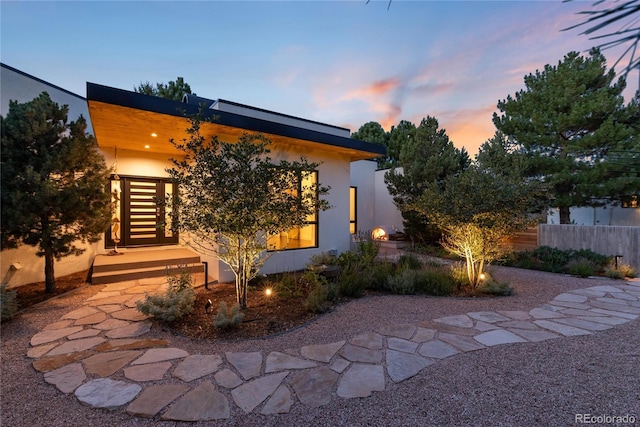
column 588, row 292
column 402, row 345
column 443, row 327
column 248, row 365
column 76, row 345
column 50, row 363
column 399, row 331
column 584, row 324
column 560, row 305
column 606, row 289
column 487, row 316
column 133, row 301
column 107, row 364
column 361, row 380
column 154, row 398
column 251, row 394
column 616, row 307
column 566, row 330
column 107, row 393
column 605, row 320
column 36, row 352
column 314, row 387
column 484, row 327
column 401, row 366
column 615, row 301
column 61, row 324
column 110, row 308
column 437, row 349
column 539, row 313
column 339, row 365
column 570, row 297
column 360, row 354
column 80, row 313
column 615, row 313
column 131, row 344
column 227, row 378
column 119, row 286
column 67, row 378
column 279, row 403
column 323, row 352
column 102, row 295
column 203, row 403
column 423, row 335
column 111, row 324
column 498, row 337
column 87, row 333
column 516, row 315
column 160, row 355
column 534, row 336
column 461, row 321
column 120, row 299
column 519, row 324
column 149, row 372
column 129, row 314
column 623, row 296
column 92, row 319
column 369, row 340
column 133, row 330
column 45, row 337
column 148, row 289
column 576, row 312
column 196, row 366
column 277, row 361
column 461, row 342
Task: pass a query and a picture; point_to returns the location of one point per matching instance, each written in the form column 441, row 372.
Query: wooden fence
column 523, row 241
column 608, row 240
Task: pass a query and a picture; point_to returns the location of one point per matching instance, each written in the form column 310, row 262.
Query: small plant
column 177, row 301
column 320, row 298
column 612, row 273
column 410, row 262
column 323, row 258
column 436, row 281
column 458, row 272
column 403, row 283
column 491, row 287
column 627, row 271
column 290, row 286
column 581, row 267
column 354, row 278
column 226, row 319
column 380, row 273
column 8, row 302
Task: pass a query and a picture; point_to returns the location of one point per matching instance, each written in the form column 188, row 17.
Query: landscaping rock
column 107, row 393
column 361, row 380
column 154, row 398
column 196, row 366
column 251, row 394
column 202, row 403
column 314, row 387
column 66, row 378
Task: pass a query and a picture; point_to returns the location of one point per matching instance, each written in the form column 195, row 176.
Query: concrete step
column 133, row 265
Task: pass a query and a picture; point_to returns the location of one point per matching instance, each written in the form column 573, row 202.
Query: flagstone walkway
column 85, row 348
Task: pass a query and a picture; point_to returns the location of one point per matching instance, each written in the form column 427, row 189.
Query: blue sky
column 339, row 62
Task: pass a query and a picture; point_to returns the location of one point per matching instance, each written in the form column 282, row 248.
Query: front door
column 142, row 221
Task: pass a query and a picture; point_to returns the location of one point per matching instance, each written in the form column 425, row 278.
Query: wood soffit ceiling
column 131, row 129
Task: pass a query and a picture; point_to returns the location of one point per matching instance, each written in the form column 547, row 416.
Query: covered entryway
column 139, row 219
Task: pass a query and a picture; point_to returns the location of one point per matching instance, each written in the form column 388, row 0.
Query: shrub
column 581, row 267
column 323, row 258
column 290, row 286
column 380, row 273
column 226, row 319
column 409, row 261
column 458, row 272
column 491, row 287
column 354, row 278
column 612, row 273
column 627, row 270
column 177, row 301
column 436, row 281
column 8, row 302
column 320, row 297
column 403, row 283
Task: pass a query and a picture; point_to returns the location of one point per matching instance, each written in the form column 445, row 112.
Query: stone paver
column 104, row 338
column 107, row 393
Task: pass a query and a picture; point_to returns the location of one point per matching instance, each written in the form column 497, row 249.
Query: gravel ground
column 530, row 384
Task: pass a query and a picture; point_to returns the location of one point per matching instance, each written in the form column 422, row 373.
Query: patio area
column 535, row 358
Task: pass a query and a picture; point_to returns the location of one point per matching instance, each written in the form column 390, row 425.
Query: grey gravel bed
column 531, row 384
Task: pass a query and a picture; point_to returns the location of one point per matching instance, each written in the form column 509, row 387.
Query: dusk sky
column 338, row 62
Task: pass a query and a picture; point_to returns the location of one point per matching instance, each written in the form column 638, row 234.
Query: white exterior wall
column 363, row 177
column 24, row 88
column 606, row 215
column 387, row 213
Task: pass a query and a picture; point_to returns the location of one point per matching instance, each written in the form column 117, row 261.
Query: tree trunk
column 49, row 276
column 565, row 215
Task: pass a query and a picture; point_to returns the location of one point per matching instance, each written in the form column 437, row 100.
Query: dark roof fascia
column 15, row 70
column 124, row 98
column 262, row 110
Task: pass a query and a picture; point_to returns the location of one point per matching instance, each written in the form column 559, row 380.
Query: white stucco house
column 133, row 132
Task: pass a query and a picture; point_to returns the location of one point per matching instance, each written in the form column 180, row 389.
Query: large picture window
column 299, row 237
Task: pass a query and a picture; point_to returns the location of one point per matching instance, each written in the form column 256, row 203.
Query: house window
column 299, row 237
column 353, row 210
column 630, row 201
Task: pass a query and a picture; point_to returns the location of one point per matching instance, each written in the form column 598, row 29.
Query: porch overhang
column 134, row 121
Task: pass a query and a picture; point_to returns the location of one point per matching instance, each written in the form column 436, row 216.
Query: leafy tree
column 173, row 90
column 53, row 182
column 374, row 133
column 427, row 157
column 568, row 122
column 233, row 197
column 476, row 210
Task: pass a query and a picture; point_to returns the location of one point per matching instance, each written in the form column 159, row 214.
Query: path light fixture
column 207, row 306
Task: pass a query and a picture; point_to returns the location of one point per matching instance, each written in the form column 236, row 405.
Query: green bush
column 177, row 301
column 226, row 319
column 491, row 287
column 627, row 270
column 320, row 297
column 380, row 273
column 354, row 278
column 556, row 260
column 169, row 306
column 289, row 285
column 403, row 283
column 612, row 273
column 581, row 267
column 458, row 272
column 436, row 281
column 8, row 302
column 409, row 261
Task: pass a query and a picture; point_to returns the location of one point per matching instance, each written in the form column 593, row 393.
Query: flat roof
column 124, row 119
